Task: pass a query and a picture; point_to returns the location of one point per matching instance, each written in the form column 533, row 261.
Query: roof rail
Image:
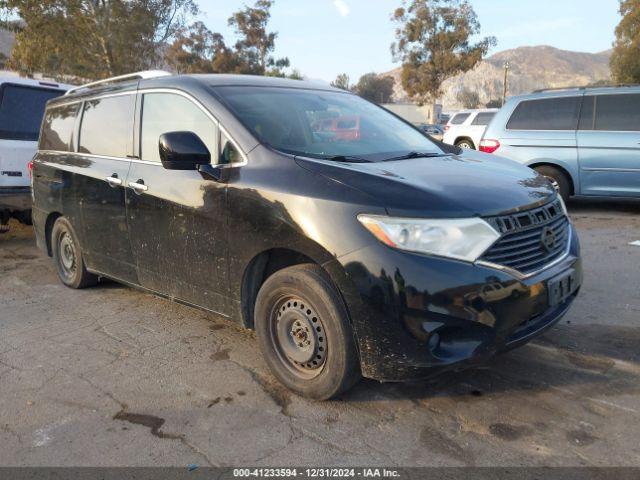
column 120, row 78
column 583, row 87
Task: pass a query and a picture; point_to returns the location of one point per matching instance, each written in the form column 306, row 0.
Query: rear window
column 459, row 118
column 57, row 128
column 114, row 114
column 619, row 113
column 483, row 118
column 547, row 114
column 21, row 110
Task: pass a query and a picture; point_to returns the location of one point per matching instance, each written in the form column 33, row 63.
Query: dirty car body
column 210, row 237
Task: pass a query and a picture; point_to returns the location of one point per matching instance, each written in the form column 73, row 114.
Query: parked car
column 587, row 140
column 22, row 103
column 338, row 128
column 349, row 257
column 465, row 128
column 435, row 131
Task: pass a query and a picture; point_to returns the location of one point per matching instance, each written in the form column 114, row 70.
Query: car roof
column 576, row 91
column 475, row 110
column 31, row 82
column 194, row 82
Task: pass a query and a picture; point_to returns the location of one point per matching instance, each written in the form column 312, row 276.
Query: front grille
column 521, row 246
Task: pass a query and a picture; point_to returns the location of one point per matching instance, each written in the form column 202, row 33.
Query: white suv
column 465, row 128
column 22, row 103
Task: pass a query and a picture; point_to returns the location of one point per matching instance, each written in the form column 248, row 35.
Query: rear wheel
column 304, row 333
column 465, row 143
column 67, row 256
column 557, row 178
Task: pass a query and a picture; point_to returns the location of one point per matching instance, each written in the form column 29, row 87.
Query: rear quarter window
column 459, row 118
column 483, row 118
column 560, row 113
column 617, row 113
column 21, row 110
column 57, row 128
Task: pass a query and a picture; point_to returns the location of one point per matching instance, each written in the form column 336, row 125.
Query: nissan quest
column 371, row 250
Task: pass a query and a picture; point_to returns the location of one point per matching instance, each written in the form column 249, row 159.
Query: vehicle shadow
column 601, row 359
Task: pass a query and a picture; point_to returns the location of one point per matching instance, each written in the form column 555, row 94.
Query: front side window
column 169, row 112
column 57, row 128
column 617, row 113
column 21, row 110
column 483, row 118
column 229, row 154
column 559, row 113
column 323, row 124
column 107, row 126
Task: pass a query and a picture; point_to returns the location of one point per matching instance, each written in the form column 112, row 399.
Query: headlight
column 563, row 205
column 463, row 239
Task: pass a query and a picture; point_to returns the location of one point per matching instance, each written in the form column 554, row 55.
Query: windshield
column 324, row 124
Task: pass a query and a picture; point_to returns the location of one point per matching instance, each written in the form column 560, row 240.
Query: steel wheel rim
column 67, row 255
column 298, row 336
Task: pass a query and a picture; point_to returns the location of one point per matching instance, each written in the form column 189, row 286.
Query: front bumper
column 15, row 199
column 399, row 301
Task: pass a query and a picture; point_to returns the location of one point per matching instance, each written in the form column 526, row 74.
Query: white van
column 22, row 103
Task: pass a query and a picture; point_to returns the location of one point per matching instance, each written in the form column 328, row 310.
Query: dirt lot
column 113, row 376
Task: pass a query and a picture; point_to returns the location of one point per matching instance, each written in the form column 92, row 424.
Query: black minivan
column 353, row 243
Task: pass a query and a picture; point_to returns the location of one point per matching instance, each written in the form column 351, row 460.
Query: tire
column 465, row 143
column 559, row 179
column 304, row 333
column 67, row 256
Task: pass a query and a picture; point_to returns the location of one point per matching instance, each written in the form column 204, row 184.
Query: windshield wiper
column 409, row 155
column 347, row 158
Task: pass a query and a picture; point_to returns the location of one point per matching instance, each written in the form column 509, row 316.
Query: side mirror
column 183, row 151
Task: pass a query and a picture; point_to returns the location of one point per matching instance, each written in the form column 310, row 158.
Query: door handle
column 138, row 186
column 113, row 181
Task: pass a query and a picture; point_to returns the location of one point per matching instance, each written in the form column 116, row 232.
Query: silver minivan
column 587, row 140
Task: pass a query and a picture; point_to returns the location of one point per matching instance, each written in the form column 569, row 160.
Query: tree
column 468, row 98
column 90, row 39
column 255, row 43
column 625, row 60
column 341, row 81
column 494, row 103
column 375, row 88
column 295, row 75
column 433, row 43
column 197, row 49
column 192, row 50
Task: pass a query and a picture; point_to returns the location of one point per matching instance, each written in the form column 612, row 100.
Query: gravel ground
column 111, row 376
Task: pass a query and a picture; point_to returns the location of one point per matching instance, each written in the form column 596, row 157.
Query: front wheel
column 304, row 333
column 67, row 256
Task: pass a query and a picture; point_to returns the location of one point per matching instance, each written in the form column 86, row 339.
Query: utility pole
column 506, row 82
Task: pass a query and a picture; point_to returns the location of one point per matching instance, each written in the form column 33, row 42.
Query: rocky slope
column 531, row 68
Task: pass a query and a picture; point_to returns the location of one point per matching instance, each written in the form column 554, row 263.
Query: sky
column 324, row 38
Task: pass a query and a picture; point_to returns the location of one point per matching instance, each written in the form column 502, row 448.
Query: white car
column 22, row 103
column 465, row 128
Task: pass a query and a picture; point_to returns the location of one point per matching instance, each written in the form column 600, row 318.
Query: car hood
column 465, row 185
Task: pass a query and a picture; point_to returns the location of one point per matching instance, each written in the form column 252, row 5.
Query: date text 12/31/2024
column 315, row 473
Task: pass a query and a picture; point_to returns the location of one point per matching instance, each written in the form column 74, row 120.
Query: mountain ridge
column 530, row 68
